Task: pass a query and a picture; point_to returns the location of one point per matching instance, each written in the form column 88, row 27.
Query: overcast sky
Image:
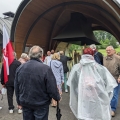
column 11, row 5
column 8, row 5
column 118, row 1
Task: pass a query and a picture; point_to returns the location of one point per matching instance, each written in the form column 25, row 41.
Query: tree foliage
column 105, row 39
column 74, row 47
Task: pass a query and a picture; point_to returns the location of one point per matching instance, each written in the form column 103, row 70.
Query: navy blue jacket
column 35, row 84
column 98, row 57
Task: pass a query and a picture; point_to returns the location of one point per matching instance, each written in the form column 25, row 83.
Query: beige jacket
column 113, row 65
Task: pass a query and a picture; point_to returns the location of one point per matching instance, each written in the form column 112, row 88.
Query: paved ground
column 64, row 105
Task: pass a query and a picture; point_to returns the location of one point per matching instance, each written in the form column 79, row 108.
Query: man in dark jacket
column 97, row 55
column 10, row 84
column 64, row 60
column 35, row 86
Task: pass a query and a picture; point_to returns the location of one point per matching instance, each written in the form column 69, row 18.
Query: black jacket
column 64, row 60
column 35, row 84
column 12, row 69
column 100, row 57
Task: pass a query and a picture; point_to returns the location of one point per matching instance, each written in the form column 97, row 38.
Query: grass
column 103, row 51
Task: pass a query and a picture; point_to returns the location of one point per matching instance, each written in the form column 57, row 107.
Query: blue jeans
column 114, row 101
column 65, row 81
column 36, row 114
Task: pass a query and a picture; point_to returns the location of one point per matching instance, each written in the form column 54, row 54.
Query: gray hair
column 111, row 47
column 93, row 46
column 36, row 52
column 24, row 55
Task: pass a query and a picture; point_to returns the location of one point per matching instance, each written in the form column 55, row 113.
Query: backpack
column 97, row 58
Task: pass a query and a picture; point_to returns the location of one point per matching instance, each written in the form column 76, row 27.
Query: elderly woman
column 24, row 58
column 57, row 69
column 91, row 89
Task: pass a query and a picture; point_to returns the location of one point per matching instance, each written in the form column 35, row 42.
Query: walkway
column 64, row 105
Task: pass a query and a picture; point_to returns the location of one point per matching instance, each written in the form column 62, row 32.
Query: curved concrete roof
column 38, row 21
column 8, row 27
column 7, row 24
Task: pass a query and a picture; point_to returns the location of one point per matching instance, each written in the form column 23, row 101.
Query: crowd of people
column 94, row 83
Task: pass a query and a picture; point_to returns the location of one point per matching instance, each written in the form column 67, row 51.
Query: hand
column 118, row 80
column 3, row 86
column 60, row 98
column 62, row 83
column 19, row 107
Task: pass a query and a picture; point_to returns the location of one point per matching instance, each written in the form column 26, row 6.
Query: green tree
column 105, row 39
column 74, row 47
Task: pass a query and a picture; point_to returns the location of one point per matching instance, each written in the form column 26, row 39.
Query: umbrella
column 58, row 114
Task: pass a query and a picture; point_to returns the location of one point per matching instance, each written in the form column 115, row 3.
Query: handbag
column 3, row 92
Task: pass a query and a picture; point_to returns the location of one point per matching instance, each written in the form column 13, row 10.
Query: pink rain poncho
column 91, row 90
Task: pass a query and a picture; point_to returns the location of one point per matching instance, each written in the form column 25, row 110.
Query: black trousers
column 10, row 93
column 36, row 114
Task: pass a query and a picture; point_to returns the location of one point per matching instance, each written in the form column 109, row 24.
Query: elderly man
column 48, row 58
column 112, row 62
column 52, row 52
column 10, row 83
column 23, row 58
column 97, row 55
column 64, row 60
column 35, row 86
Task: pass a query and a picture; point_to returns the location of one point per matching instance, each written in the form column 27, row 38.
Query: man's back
column 98, row 57
column 37, row 84
column 64, row 60
column 12, row 69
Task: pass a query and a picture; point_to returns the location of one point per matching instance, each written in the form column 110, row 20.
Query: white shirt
column 47, row 60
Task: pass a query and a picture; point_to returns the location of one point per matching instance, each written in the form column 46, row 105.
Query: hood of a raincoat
column 56, row 63
column 86, row 59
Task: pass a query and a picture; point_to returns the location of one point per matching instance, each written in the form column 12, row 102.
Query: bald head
column 110, row 50
column 36, row 52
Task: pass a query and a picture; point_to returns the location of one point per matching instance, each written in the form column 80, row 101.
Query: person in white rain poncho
column 91, row 89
